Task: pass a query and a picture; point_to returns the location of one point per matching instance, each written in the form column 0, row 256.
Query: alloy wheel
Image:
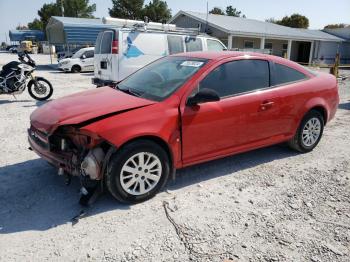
column 141, row 173
column 311, row 132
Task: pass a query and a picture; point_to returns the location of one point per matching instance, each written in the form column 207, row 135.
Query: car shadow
column 6, row 101
column 87, row 73
column 47, row 67
column 345, row 106
column 38, row 103
column 229, row 165
column 34, row 197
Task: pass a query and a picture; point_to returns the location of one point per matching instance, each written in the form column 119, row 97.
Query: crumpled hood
column 83, row 106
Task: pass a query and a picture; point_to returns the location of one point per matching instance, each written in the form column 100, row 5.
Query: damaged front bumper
column 65, row 161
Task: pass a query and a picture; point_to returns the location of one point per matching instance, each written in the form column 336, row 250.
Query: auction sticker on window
column 192, row 63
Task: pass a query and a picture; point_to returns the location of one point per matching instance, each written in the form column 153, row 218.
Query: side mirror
column 83, row 57
column 203, row 96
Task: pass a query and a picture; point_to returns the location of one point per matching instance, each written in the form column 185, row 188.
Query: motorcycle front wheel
column 40, row 89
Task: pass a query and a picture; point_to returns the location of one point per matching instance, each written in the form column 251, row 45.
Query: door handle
column 266, row 105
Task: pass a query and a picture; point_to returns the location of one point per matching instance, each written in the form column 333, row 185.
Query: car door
column 88, row 61
column 105, row 57
column 245, row 116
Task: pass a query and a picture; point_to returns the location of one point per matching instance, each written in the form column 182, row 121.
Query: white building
column 300, row 45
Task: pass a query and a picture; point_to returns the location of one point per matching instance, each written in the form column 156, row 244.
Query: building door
column 304, row 52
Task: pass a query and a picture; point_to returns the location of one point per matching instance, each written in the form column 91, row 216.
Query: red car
column 179, row 111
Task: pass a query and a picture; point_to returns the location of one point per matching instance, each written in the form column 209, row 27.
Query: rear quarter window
column 282, row 74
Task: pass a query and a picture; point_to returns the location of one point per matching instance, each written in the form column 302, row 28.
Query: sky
column 319, row 12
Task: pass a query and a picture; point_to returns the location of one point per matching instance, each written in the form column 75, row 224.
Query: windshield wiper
column 129, row 91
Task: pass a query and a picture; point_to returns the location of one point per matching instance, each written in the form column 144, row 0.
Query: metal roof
column 71, row 30
column 255, row 28
column 21, row 35
column 339, row 32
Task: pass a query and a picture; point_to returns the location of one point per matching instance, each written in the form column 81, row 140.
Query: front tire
column 40, row 89
column 76, row 69
column 309, row 132
column 137, row 171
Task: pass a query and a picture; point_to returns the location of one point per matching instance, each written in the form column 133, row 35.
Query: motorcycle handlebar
column 25, row 54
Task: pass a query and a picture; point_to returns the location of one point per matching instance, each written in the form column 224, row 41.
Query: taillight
column 115, row 48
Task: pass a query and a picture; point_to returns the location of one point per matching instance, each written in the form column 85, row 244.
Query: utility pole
column 206, row 20
column 62, row 7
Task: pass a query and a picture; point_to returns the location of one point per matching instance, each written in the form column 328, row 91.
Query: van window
column 98, row 43
column 175, row 44
column 214, row 45
column 106, row 44
column 193, row 44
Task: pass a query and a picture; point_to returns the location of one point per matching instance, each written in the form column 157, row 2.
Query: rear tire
column 309, row 132
column 137, row 172
column 76, row 69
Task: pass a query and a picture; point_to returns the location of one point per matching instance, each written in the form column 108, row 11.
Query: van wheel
column 76, row 69
column 309, row 132
column 137, row 171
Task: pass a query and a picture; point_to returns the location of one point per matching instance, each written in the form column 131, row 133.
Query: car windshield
column 161, row 78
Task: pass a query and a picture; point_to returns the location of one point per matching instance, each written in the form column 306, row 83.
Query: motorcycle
column 14, row 77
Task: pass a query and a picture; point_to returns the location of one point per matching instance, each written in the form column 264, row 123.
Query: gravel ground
column 267, row 205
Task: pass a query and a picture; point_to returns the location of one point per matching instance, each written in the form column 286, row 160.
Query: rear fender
column 312, row 103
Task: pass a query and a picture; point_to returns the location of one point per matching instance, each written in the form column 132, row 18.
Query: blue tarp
column 21, row 35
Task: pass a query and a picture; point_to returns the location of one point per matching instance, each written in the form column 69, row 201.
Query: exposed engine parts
column 92, row 163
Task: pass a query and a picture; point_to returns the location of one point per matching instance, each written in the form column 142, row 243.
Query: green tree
column 230, row 11
column 48, row 10
column 271, row 20
column 36, row 25
column 72, row 8
column 334, row 26
column 216, row 11
column 295, row 20
column 129, row 9
column 21, row 27
column 157, row 11
column 77, row 8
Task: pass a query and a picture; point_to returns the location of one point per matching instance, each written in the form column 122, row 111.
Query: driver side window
column 237, row 77
column 89, row 54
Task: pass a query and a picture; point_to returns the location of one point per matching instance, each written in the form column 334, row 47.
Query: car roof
column 219, row 55
column 87, row 48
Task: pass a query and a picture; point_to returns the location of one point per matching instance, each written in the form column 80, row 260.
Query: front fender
column 34, row 79
column 159, row 121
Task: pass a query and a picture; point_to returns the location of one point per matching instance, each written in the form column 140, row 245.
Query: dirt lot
column 267, row 205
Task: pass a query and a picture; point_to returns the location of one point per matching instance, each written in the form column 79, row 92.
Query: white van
column 121, row 51
column 81, row 61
